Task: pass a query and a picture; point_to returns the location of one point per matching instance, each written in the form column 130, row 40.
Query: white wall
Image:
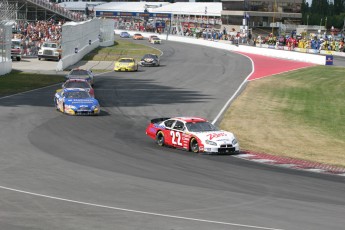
column 304, row 57
column 85, row 37
column 5, row 67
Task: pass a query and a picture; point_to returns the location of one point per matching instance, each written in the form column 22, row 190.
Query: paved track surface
column 104, row 173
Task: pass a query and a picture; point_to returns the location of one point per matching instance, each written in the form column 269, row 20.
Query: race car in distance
column 76, row 102
column 138, row 37
column 16, row 49
column 79, row 83
column 81, row 74
column 151, row 37
column 149, row 60
column 156, row 40
column 126, row 64
column 125, row 35
column 192, row 134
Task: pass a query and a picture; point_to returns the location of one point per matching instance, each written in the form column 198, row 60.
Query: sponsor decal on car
column 158, row 126
column 215, row 135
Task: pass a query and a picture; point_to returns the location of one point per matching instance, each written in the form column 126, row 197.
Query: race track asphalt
column 65, row 172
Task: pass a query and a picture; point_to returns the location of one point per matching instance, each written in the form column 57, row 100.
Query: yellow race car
column 126, row 64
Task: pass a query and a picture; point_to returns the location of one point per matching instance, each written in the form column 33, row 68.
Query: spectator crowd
column 33, row 34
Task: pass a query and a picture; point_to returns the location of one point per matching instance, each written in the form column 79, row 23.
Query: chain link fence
column 6, row 16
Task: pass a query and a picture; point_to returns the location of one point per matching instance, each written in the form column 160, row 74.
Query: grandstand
column 37, row 10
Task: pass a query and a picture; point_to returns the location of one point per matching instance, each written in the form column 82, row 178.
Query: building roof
column 191, row 8
column 79, row 6
column 129, row 6
column 178, row 8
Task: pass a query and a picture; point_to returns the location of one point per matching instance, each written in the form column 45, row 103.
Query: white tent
column 129, row 6
column 178, row 8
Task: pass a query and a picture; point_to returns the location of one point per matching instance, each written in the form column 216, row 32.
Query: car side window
column 179, row 125
column 169, row 123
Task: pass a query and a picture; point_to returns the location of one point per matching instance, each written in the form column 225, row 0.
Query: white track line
column 235, row 94
column 136, row 211
column 12, row 95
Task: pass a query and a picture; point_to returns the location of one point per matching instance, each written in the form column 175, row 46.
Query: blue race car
column 76, row 101
column 125, row 35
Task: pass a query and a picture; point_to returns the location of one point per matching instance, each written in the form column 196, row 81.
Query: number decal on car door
column 176, row 138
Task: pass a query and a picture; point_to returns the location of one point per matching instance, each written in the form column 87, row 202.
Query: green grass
column 316, row 99
column 16, row 82
column 120, row 49
column 299, row 114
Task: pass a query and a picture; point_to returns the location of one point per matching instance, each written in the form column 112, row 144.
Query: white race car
column 192, row 134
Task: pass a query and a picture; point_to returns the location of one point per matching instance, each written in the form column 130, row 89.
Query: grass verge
column 121, row 48
column 16, row 82
column 300, row 114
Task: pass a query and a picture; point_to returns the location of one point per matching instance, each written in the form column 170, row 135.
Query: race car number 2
column 175, row 138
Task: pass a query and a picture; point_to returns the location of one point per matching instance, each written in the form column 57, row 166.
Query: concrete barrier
column 5, row 67
column 290, row 55
column 80, row 38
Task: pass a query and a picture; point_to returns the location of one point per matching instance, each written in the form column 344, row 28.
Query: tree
column 339, row 6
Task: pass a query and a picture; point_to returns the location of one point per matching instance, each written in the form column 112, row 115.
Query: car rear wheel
column 193, row 145
column 160, row 138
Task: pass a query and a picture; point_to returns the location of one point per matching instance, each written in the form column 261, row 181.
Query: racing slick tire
column 56, row 105
column 160, row 138
column 193, row 145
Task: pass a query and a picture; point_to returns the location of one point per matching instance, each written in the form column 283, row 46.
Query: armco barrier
column 304, row 57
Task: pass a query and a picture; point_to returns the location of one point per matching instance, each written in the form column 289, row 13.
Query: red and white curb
column 292, row 163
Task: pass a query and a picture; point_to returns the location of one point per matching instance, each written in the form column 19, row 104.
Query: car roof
column 189, row 119
column 79, row 69
column 74, row 90
column 76, row 80
column 150, row 55
column 126, row 59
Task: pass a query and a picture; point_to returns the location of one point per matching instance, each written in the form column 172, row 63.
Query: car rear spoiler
column 157, row 120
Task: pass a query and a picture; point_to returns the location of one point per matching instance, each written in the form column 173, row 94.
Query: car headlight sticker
column 211, row 142
column 234, row 141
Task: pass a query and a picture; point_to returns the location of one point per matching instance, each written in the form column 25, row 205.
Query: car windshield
column 15, row 44
column 79, row 72
column 155, row 38
column 126, row 60
column 77, row 94
column 200, row 127
column 77, row 84
column 137, row 34
column 50, row 45
column 149, row 56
